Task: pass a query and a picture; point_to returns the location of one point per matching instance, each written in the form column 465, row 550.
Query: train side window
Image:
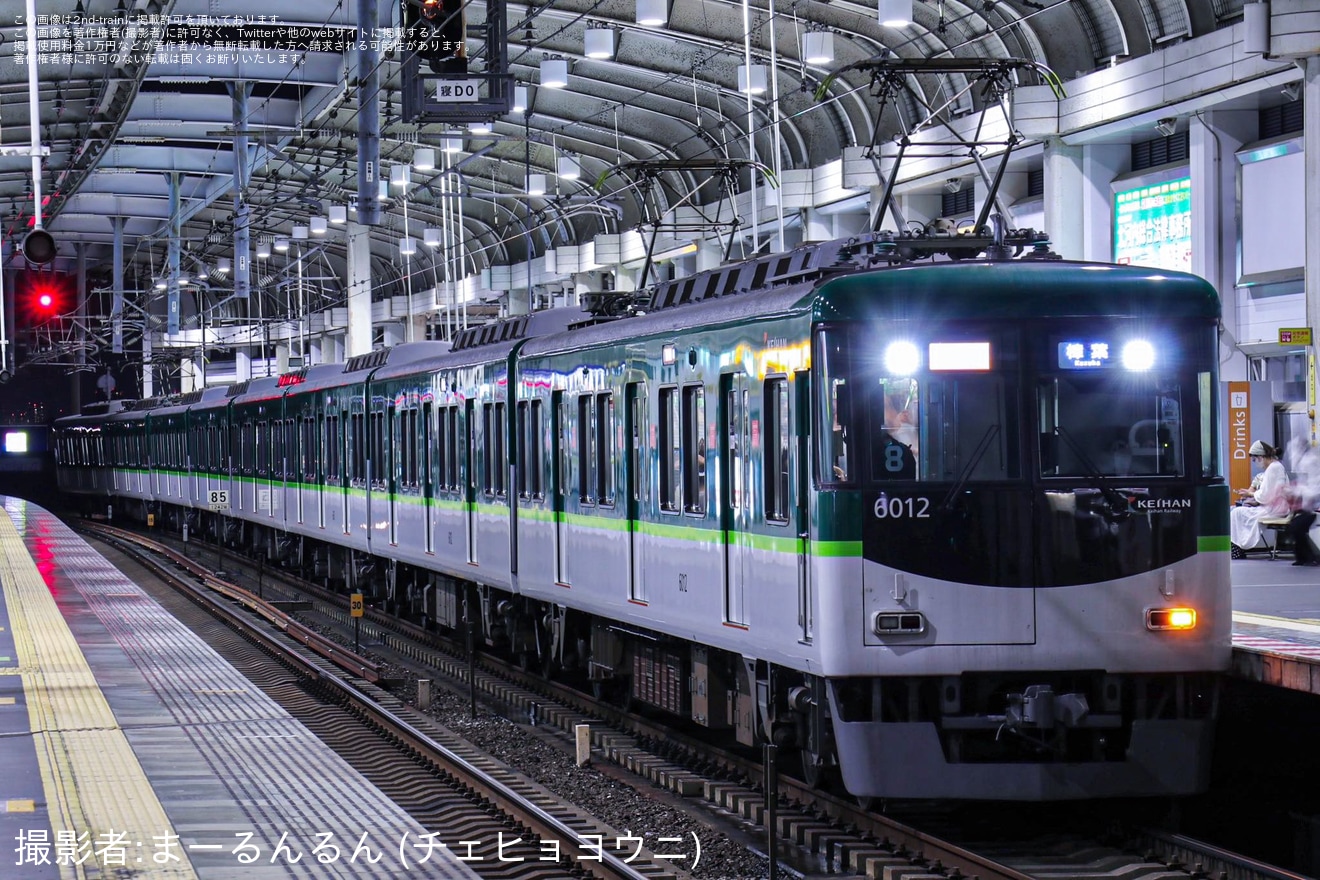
column 452, row 450
column 412, row 427
column 357, row 451
column 586, row 458
column 330, row 447
column 604, row 443
column 694, row 449
column 529, row 452
column 426, row 477
column 537, row 447
column 291, row 449
column 487, row 425
column 276, row 465
column 834, row 420
column 500, row 442
column 670, row 450
column 560, row 446
column 307, row 450
column 637, row 440
column 444, row 448
column 261, row 448
column 777, row 437
column 381, row 425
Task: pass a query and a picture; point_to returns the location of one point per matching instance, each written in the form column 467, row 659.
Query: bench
column 1279, row 526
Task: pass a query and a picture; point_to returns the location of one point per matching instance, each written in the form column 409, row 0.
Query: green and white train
column 948, row 529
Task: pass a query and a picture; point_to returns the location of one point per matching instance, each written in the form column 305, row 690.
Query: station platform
column 131, row 749
column 1276, row 623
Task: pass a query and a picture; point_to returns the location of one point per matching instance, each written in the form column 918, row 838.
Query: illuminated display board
column 1079, row 355
column 1153, row 225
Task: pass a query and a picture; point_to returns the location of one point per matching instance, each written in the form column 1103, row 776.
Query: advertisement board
column 1153, row 225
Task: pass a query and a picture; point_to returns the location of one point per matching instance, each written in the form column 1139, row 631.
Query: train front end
column 1021, row 559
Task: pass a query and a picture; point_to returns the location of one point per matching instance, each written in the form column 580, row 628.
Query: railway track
column 502, row 824
column 814, row 828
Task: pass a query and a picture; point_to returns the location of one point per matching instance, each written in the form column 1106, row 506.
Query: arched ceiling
column 119, row 132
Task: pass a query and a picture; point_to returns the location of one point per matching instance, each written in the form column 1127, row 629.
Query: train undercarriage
column 1033, row 721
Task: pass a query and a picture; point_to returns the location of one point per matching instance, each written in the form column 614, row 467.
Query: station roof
column 119, row 124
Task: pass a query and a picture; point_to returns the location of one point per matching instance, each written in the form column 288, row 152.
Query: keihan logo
column 1162, row 503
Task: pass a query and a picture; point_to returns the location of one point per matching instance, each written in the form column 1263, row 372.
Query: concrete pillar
column 242, row 364
column 818, row 226
column 1213, row 138
column 281, row 358
column 314, row 353
column 1064, row 216
column 395, row 334
column 710, row 253
column 1101, row 163
column 520, row 301
column 1311, row 146
column 358, row 339
column 850, row 223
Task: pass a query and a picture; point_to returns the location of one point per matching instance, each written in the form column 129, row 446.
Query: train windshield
column 893, row 415
column 976, row 405
column 1111, row 424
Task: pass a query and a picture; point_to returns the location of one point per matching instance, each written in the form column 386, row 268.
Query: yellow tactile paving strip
column 92, row 780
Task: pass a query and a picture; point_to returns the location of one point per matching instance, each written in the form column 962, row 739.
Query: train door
column 635, row 430
column 559, row 448
column 471, row 480
column 802, row 432
column 735, row 515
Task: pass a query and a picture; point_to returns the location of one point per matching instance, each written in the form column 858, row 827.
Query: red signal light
column 41, row 296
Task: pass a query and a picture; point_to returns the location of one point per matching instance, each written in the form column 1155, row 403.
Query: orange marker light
column 1170, row 618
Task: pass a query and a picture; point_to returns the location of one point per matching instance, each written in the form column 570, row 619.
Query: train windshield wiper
column 1097, row 479
column 965, row 474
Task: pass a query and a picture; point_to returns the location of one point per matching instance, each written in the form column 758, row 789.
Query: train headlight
column 902, row 358
column 1170, row 618
column 1138, row 355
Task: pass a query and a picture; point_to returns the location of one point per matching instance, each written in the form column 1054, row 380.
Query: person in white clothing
column 1270, row 499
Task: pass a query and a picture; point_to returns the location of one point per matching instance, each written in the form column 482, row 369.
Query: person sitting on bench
column 1270, row 500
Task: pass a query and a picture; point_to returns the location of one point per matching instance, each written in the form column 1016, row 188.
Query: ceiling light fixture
column 479, row 128
column 407, row 246
column 652, row 13
column 895, row 13
column 554, row 73
column 300, row 233
column 818, row 47
column 317, row 225
column 753, row 83
column 424, row 159
column 281, row 244
column 451, row 144
column 598, row 42
column 222, row 265
column 400, row 176
column 569, row 167
column 536, row 184
column 338, row 214
column 519, row 99
column 431, row 236
column 263, row 249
